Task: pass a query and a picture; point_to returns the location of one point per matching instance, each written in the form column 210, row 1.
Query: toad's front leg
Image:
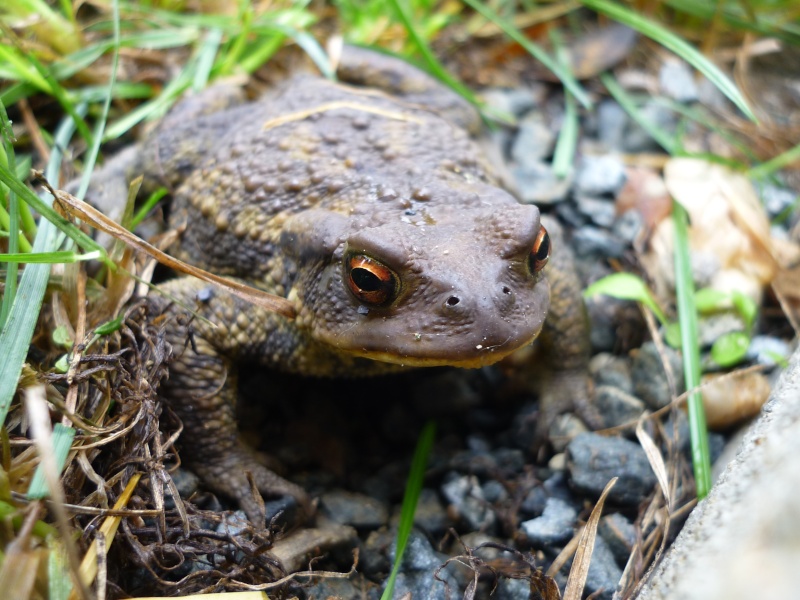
column 202, row 389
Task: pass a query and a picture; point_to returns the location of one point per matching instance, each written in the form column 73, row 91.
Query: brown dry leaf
column 655, row 459
column 731, row 400
column 95, row 218
column 600, row 49
column 19, row 571
column 729, row 235
column 583, row 557
column 645, row 192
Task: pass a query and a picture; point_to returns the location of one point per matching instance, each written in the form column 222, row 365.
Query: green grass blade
column 62, row 442
column 779, row 162
column 687, row 316
column 205, row 58
column 16, row 333
column 416, row 477
column 669, row 40
column 564, row 74
column 436, row 68
column 12, row 226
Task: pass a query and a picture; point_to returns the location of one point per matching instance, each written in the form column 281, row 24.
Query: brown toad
column 377, row 216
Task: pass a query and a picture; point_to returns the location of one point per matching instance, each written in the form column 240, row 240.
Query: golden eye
column 370, row 281
column 540, row 252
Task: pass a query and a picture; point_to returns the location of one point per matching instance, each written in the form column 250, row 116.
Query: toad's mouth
column 458, row 353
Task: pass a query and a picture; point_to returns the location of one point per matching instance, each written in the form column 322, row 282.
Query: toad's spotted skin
column 377, row 216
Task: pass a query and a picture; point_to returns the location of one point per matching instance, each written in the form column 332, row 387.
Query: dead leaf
column 731, row 400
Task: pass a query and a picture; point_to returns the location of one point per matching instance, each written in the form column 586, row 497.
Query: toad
column 377, row 216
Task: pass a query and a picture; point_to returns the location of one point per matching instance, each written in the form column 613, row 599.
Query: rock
column 637, row 139
column 467, row 501
column 593, row 460
column 558, row 462
column 431, row 515
column 628, row 226
column 512, row 589
column 602, row 175
column 515, row 101
column 776, row 199
column 612, row 123
column 591, row 241
column 563, row 429
column 537, row 184
column 373, row 560
column 677, row 81
column 765, row 350
column 609, row 369
column 419, row 563
column 607, row 316
column 494, row 491
column 534, row 141
column 555, row 527
column 710, row 328
column 620, row 536
column 534, row 501
column 649, row 378
column 340, row 589
column 600, row 211
column 186, row 482
column 358, row 510
column 617, row 407
column 604, row 574
column 233, row 523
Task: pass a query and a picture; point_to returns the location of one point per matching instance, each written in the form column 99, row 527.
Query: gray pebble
column 602, row 175
column 358, row 510
column 628, row 226
column 512, row 589
column 537, row 184
column 604, row 574
column 677, row 81
column 617, row 407
column 766, row 350
column 620, row 536
column 514, row 101
column 419, row 563
column 555, row 527
column 636, row 139
column 563, row 429
column 186, row 482
column 340, row 589
column 776, row 199
column 493, row 491
column 710, row 328
column 608, row 369
column 466, row 498
column 590, row 241
column 534, row 141
column 431, row 515
column 612, row 123
column 593, row 460
column 600, row 211
column 649, row 378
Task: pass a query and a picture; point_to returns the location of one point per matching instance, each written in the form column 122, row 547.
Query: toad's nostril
column 506, row 290
column 453, row 300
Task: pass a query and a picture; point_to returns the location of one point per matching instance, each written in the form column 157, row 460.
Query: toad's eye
column 370, row 281
column 540, row 251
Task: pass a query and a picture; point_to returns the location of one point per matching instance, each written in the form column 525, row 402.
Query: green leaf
column 626, row 286
column 62, row 442
column 61, row 337
column 676, row 44
column 709, row 300
column 747, row 307
column 109, row 327
column 730, row 349
column 416, row 477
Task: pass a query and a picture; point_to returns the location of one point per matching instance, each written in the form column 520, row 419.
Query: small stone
column 430, row 515
column 340, row 589
column 467, row 501
column 600, row 211
column 358, row 510
column 649, row 378
column 538, row 184
column 637, row 139
column 554, row 527
column 534, row 502
column 593, row 460
column 602, row 175
column 677, row 81
column 234, row 524
column 558, row 462
column 534, row 140
column 608, row 369
column 604, row 574
column 512, row 589
column 620, row 536
column 595, row 242
column 185, row 481
column 612, row 122
column 776, row 199
column 617, row 407
column 563, row 429
column 628, row 226
column 766, row 350
column 515, row 101
column 712, row 327
column 419, row 563
column 493, row 491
